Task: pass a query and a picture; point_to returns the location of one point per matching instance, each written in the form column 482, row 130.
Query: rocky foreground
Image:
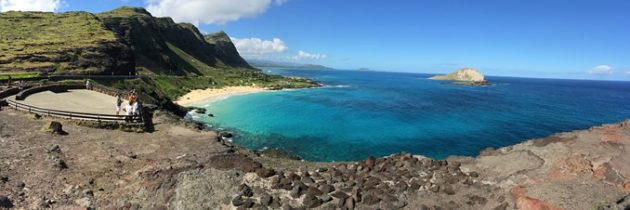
column 178, row 167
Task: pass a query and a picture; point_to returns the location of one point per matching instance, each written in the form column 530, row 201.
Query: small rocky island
column 464, row 76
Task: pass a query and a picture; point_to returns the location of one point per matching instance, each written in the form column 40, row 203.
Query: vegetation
column 48, row 42
column 174, row 58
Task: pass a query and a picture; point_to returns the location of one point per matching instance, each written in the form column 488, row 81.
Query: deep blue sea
column 361, row 113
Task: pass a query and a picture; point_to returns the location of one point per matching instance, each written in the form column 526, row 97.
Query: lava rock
column 325, row 198
column 371, row 199
column 448, row 189
column 20, row 185
column 325, row 188
column 349, row 203
column 60, row 164
column 313, row 191
column 246, row 190
column 53, row 127
column 265, row 172
column 248, row 203
column 296, row 192
column 266, row 200
column 238, row 200
column 55, row 149
column 88, row 192
column 275, row 203
column 5, row 202
column 340, row 195
column 311, row 201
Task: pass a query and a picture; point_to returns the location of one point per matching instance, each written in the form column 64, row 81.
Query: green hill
column 67, row 43
column 174, row 57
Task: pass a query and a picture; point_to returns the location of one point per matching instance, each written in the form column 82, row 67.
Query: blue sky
column 546, row 38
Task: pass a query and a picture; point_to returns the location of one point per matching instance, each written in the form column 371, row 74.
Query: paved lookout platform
column 76, row 100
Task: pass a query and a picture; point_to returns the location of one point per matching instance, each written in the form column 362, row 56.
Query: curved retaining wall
column 54, row 88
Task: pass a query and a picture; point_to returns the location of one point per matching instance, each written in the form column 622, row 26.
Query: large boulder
column 53, row 127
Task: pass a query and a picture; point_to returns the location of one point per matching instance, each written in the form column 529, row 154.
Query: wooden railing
column 74, row 115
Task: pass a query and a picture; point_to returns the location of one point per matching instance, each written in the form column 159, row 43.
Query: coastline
column 535, row 172
column 215, row 94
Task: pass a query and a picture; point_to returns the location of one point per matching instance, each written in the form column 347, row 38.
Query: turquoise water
column 358, row 114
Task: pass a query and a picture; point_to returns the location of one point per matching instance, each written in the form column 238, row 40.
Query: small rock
column 325, row 188
column 356, row 194
column 448, row 189
column 325, row 198
column 371, row 199
column 53, row 127
column 4, row 179
column 340, row 195
column 349, row 203
column 434, row 188
column 265, row 172
column 20, row 185
column 296, row 192
column 394, row 205
column 265, row 200
column 370, row 162
column 307, row 180
column 475, row 199
column 55, row 149
column 311, row 201
column 60, row 164
column 248, row 192
column 313, row 191
column 238, row 200
column 5, row 202
column 88, row 192
column 275, row 203
column 248, row 203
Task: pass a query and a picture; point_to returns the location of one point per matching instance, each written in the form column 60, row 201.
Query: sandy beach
column 212, row 94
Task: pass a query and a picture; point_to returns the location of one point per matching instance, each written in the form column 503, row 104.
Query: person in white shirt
column 136, row 108
column 129, row 111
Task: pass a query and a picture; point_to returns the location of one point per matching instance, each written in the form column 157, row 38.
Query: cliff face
column 465, row 74
column 114, row 42
column 162, row 46
column 67, row 43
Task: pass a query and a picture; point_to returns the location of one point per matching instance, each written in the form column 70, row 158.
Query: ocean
column 361, row 113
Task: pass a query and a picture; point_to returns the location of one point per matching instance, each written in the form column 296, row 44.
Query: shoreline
column 534, row 172
column 215, row 94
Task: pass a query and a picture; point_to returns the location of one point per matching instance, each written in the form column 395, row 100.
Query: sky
column 573, row 39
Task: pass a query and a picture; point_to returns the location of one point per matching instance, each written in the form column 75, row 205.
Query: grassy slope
column 47, row 35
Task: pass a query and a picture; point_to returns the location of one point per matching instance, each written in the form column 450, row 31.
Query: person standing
column 88, row 84
column 9, row 81
column 137, row 109
column 119, row 102
column 129, row 112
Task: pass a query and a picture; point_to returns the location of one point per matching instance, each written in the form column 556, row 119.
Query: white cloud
column 208, row 11
column 308, row 56
column 256, row 48
column 601, row 69
column 30, row 5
